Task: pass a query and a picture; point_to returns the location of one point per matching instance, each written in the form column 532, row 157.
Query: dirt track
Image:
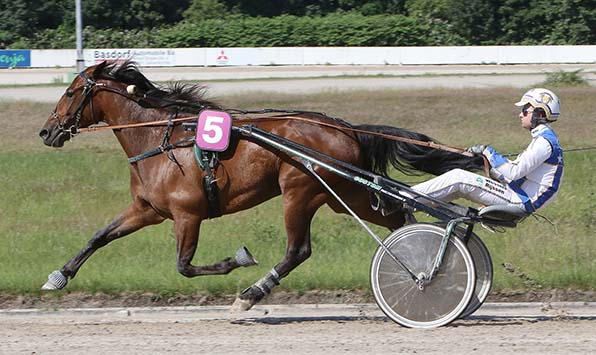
column 308, row 79
column 290, row 330
column 303, row 337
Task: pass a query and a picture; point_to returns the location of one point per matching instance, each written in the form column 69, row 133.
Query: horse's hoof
column 56, row 281
column 245, row 258
column 241, row 305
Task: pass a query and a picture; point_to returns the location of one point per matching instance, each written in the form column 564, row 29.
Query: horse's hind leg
column 186, row 228
column 135, row 217
column 299, row 209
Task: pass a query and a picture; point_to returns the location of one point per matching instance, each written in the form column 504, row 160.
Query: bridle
column 87, row 88
column 88, row 91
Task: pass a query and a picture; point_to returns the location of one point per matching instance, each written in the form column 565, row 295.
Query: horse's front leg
column 186, row 228
column 135, row 217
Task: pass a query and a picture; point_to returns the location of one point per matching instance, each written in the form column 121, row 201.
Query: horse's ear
column 99, row 69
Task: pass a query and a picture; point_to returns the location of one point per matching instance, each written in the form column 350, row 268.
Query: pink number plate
column 213, row 130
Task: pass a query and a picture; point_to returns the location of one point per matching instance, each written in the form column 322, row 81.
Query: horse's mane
column 183, row 96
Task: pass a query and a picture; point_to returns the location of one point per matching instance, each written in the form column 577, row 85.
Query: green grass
column 53, row 200
column 565, row 78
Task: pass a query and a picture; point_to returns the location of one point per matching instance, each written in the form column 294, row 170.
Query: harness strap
column 161, row 149
column 212, row 193
column 209, row 161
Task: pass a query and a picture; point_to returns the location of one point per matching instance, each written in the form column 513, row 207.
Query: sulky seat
column 503, row 215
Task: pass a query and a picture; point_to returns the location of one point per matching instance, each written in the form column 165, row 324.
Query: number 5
column 212, row 129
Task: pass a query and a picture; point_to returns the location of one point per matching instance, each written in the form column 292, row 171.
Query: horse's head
column 74, row 110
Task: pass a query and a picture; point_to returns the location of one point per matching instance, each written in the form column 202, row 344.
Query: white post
column 79, row 35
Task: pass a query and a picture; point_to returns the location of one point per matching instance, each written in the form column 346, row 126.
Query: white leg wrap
column 265, row 285
column 56, row 281
column 268, row 282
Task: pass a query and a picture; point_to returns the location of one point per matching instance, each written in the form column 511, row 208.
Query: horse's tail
column 409, row 158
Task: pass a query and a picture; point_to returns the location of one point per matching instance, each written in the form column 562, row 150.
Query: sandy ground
column 307, row 79
column 56, row 75
column 308, row 86
column 320, row 337
column 314, row 329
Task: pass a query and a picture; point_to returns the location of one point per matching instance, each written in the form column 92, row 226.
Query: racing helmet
column 544, row 99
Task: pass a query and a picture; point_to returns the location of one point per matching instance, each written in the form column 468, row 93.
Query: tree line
column 46, row 24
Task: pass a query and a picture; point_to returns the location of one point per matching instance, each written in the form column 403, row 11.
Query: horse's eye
column 69, row 93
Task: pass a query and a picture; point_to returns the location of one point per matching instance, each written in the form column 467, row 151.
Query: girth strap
column 209, row 161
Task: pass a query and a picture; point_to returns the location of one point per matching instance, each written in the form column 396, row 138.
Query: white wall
column 150, row 57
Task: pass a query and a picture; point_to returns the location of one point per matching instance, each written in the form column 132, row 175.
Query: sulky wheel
column 483, row 265
column 438, row 302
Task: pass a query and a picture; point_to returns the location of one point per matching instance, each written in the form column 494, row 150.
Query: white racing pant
column 459, row 183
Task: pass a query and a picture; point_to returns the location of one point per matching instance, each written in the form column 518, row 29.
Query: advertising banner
column 180, row 57
column 145, row 57
column 15, row 58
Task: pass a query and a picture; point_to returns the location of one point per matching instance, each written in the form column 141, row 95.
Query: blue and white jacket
column 535, row 175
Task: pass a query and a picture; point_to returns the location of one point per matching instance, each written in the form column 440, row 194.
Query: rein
column 382, row 135
column 238, row 121
column 88, row 97
column 134, row 125
column 284, row 118
column 432, row 145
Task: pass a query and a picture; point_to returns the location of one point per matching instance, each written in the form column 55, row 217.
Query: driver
column 531, row 181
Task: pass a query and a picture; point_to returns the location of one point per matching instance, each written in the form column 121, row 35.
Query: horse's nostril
column 43, row 133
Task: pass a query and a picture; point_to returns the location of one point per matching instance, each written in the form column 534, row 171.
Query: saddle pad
column 213, row 130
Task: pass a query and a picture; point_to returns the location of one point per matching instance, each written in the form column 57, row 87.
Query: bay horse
column 167, row 186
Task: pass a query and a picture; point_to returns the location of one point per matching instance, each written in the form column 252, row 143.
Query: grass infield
column 53, row 200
